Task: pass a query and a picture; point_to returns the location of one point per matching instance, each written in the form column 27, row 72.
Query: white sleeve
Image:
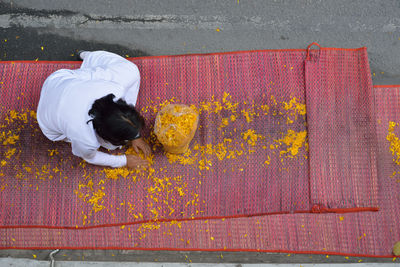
column 104, row 159
column 108, row 66
column 93, row 156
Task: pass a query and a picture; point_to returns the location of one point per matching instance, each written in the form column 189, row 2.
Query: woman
column 93, row 107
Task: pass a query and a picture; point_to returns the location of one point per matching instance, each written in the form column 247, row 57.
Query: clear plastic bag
column 175, row 127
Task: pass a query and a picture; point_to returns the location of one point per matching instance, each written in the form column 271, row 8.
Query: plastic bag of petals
column 175, row 127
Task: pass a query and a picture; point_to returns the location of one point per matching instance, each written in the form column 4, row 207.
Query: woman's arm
column 104, row 159
column 95, row 157
column 114, row 161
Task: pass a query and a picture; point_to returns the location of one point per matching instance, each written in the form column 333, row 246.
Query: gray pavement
column 181, row 27
column 31, row 263
column 56, row 29
column 187, row 257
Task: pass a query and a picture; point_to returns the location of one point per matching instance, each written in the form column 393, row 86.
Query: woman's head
column 116, row 122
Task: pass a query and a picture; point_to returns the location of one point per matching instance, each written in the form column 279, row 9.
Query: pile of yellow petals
column 293, row 141
column 175, row 124
column 394, row 142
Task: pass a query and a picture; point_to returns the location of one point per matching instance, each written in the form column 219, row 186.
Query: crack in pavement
column 93, row 21
column 10, row 15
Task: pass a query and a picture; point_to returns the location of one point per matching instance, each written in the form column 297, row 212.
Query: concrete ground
column 30, row 263
column 136, row 28
column 55, row 30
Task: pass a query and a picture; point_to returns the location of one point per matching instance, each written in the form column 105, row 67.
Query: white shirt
column 68, row 95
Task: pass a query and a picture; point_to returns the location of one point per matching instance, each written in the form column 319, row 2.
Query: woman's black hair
column 116, row 122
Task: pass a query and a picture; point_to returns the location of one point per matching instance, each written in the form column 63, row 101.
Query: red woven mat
column 266, row 171
column 349, row 234
column 245, row 159
column 341, row 125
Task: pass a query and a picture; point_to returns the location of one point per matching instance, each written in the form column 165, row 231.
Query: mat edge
column 194, row 54
column 325, row 211
column 210, row 250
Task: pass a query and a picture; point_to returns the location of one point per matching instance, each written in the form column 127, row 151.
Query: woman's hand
column 140, row 144
column 135, row 162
